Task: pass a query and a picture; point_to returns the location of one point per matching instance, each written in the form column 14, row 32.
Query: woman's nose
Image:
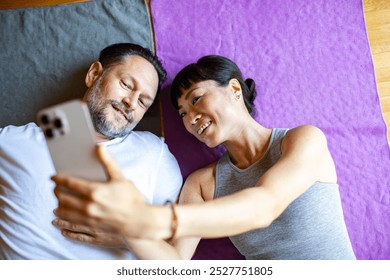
column 195, row 118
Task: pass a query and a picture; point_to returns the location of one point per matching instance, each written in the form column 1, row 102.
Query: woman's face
column 209, row 111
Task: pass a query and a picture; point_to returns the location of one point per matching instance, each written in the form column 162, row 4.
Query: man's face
column 120, row 96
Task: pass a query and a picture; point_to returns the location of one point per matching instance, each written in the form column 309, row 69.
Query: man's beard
column 98, row 105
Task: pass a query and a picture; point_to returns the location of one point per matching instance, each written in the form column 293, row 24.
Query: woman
column 274, row 192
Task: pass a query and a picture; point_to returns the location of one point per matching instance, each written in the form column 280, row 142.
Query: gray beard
column 97, row 106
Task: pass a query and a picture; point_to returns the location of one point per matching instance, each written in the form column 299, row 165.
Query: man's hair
column 116, row 53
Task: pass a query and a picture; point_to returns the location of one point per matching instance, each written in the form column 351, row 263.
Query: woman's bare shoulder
column 204, row 173
column 201, row 182
column 305, row 130
column 305, row 135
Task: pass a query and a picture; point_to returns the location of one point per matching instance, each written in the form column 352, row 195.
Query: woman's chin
column 210, row 144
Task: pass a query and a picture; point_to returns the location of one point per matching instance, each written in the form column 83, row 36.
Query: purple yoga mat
column 312, row 65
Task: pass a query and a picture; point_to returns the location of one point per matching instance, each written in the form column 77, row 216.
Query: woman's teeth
column 203, row 127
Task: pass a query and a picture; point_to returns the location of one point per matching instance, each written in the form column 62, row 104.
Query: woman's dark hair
column 116, row 53
column 217, row 68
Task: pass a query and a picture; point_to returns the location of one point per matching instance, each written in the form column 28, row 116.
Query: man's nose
column 131, row 101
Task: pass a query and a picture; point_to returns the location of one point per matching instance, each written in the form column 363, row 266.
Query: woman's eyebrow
column 189, row 93
column 187, row 96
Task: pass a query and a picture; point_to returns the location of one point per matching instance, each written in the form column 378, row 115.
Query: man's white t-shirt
column 27, row 200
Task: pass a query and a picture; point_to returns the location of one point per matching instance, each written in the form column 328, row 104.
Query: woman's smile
column 203, row 127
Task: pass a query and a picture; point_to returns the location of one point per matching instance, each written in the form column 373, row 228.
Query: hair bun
column 250, row 83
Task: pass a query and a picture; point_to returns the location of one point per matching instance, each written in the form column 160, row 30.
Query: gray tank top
column 312, row 226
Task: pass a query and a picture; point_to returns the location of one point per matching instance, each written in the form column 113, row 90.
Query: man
column 122, row 85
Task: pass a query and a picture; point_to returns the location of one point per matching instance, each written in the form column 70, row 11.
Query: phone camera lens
column 45, row 119
column 49, row 133
column 58, row 123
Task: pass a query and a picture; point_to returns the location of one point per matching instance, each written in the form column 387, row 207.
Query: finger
column 70, row 215
column 109, row 163
column 63, row 224
column 79, row 236
column 69, row 200
column 81, row 218
column 75, row 185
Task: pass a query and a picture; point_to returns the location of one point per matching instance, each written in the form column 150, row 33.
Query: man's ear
column 235, row 85
column 95, row 70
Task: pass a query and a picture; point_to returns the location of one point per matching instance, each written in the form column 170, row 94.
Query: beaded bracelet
column 174, row 222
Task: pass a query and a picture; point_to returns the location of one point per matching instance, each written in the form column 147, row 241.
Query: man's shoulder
column 145, row 138
column 26, row 140
column 30, row 130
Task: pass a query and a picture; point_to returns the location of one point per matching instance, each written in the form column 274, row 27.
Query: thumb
column 111, row 166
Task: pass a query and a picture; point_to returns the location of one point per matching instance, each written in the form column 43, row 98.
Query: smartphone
column 69, row 134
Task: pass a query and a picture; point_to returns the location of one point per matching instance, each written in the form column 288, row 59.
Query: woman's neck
column 249, row 144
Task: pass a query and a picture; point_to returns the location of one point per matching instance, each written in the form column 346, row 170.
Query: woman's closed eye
column 196, row 99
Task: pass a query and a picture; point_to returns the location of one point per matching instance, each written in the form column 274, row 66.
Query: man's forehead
column 141, row 71
column 137, row 59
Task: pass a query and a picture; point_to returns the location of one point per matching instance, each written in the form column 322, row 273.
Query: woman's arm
column 304, row 158
column 146, row 249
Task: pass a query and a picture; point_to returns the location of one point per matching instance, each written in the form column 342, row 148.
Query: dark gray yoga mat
column 46, row 51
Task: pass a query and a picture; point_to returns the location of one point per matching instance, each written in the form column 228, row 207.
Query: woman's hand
column 114, row 206
column 90, row 235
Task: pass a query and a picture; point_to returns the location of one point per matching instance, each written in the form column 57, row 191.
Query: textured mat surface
column 312, row 64
column 46, row 51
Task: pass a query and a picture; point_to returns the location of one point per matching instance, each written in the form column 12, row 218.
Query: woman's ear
column 235, row 85
column 95, row 70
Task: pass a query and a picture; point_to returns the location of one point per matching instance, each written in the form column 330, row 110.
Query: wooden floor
column 377, row 15
column 14, row 4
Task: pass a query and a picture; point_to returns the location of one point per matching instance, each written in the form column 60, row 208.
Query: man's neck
column 100, row 138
